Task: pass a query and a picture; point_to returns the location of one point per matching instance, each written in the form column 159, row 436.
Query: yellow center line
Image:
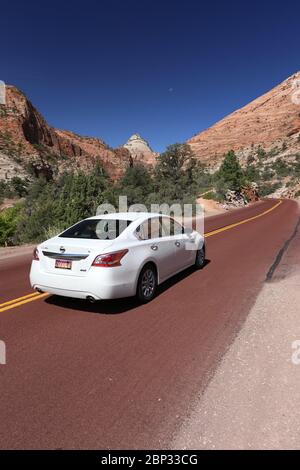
column 22, row 302
column 19, row 298
column 228, row 227
column 37, row 296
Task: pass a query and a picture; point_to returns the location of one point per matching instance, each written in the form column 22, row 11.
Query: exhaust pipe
column 91, row 299
column 39, row 290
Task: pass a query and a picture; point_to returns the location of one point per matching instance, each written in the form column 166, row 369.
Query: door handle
column 154, row 247
column 177, row 244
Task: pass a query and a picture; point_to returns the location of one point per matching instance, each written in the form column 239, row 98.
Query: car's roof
column 127, row 215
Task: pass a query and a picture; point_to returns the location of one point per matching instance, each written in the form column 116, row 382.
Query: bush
column 261, row 153
column 211, row 195
column 15, row 188
column 9, row 219
column 267, row 174
column 268, row 188
column 281, row 168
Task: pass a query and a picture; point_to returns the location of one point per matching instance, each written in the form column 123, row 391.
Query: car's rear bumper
column 98, row 283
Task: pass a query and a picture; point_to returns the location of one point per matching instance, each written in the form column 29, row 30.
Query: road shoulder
column 14, row 251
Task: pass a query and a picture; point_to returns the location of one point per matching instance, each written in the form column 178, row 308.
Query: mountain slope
column 28, row 142
column 268, row 121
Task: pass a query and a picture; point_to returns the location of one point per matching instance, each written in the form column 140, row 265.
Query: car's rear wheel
column 200, row 258
column 147, row 284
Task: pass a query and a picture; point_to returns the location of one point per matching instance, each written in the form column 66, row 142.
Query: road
column 116, row 375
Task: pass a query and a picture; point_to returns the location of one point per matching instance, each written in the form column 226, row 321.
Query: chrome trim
column 67, row 256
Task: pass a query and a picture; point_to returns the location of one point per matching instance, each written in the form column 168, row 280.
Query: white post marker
column 2, row 93
column 2, row 353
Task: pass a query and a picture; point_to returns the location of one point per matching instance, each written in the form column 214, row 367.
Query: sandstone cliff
column 268, row 121
column 140, row 149
column 28, row 143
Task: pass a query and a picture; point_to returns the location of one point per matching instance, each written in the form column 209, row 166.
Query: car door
column 182, row 257
column 158, row 247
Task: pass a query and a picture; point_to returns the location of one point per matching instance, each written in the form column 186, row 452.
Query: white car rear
column 115, row 255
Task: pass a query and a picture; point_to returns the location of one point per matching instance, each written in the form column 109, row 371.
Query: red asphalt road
column 116, row 375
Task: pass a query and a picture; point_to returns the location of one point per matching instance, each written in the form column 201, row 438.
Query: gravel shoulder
column 252, row 401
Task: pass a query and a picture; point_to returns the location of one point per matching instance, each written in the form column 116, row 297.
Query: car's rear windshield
column 97, row 229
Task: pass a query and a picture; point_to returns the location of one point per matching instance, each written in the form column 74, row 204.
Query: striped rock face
column 268, row 121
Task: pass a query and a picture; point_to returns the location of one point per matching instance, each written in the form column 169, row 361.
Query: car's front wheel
column 147, row 284
column 200, row 258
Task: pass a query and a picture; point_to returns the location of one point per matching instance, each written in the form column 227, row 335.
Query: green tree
column 178, row 176
column 252, row 174
column 136, row 184
column 230, row 176
column 53, row 206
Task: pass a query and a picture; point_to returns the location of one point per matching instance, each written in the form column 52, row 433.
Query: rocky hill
column 265, row 134
column 140, row 149
column 28, row 144
column 268, row 121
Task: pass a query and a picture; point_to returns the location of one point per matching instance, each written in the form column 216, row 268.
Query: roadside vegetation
column 9, row 219
column 47, row 206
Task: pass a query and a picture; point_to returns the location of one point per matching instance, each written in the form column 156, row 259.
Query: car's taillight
column 109, row 260
column 36, row 254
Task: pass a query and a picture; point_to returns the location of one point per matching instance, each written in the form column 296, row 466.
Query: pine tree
column 230, row 175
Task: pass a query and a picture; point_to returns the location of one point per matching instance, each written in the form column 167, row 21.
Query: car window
column 171, row 227
column 149, row 229
column 97, row 229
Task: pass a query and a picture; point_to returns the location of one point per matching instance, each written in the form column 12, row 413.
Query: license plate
column 63, row 264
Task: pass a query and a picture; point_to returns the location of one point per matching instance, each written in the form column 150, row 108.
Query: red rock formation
column 25, row 137
column 270, row 118
column 140, row 150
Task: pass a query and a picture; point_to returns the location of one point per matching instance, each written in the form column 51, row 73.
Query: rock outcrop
column 268, row 121
column 29, row 144
column 140, row 150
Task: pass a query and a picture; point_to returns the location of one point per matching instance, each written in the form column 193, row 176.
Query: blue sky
column 164, row 69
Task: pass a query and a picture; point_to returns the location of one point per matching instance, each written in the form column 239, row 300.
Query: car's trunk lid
column 71, row 257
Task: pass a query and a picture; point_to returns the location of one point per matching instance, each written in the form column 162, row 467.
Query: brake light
column 36, row 254
column 109, row 260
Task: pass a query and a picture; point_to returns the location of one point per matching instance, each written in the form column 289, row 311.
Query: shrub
column 261, row 153
column 211, row 195
column 9, row 219
column 282, row 168
column 268, row 188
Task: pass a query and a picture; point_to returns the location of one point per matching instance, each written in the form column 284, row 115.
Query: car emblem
column 62, row 249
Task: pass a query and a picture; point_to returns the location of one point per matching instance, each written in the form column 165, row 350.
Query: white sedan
column 115, row 255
